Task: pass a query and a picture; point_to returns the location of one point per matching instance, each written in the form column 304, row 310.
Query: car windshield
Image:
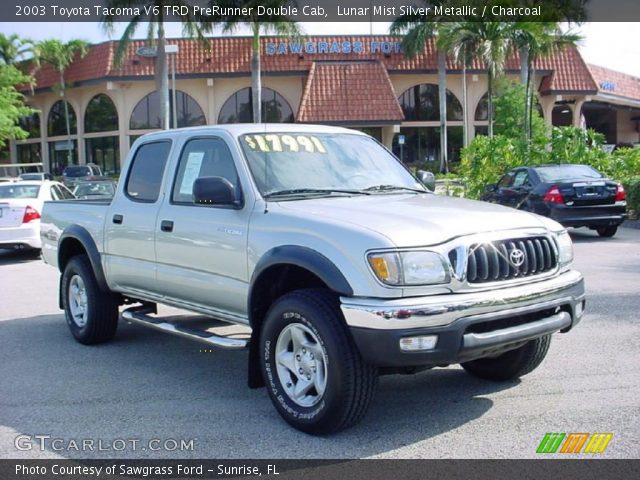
column 19, row 191
column 103, row 189
column 77, row 172
column 301, row 164
column 557, row 173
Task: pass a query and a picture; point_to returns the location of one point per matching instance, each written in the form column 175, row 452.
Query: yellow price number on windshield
column 277, row 142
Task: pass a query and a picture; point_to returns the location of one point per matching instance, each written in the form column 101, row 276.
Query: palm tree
column 416, row 33
column 490, row 41
column 14, row 49
column 191, row 27
column 533, row 41
column 60, row 55
column 278, row 24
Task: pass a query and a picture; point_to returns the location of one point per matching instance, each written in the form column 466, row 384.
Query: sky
column 609, row 44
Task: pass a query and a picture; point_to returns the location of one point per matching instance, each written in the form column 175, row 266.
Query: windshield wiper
column 389, row 188
column 313, row 191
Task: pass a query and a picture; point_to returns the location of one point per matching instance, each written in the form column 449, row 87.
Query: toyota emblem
column 517, row 257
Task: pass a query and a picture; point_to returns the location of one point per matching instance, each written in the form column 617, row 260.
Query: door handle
column 166, row 226
column 117, row 218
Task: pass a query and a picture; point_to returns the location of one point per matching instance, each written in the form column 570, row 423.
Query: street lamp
column 173, row 50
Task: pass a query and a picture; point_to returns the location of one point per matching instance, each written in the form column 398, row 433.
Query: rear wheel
column 91, row 313
column 313, row 371
column 607, row 232
column 512, row 364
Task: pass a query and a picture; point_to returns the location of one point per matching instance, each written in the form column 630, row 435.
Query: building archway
column 146, row 114
column 238, row 108
column 102, row 143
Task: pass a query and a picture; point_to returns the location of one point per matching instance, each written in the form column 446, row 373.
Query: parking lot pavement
column 145, row 385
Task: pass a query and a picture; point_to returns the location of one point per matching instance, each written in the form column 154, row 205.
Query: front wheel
column 314, row 373
column 512, row 364
column 607, row 232
column 91, row 313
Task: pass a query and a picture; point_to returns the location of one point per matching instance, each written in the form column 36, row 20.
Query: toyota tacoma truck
column 342, row 264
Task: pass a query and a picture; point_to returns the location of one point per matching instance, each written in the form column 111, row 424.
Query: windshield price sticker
column 284, row 143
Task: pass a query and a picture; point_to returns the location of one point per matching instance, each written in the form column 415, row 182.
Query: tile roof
column 564, row 70
column 615, row 83
column 348, row 92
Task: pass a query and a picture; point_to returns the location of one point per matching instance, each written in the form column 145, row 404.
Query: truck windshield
column 301, row 164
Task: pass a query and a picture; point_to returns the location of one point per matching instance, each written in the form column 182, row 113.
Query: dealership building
column 361, row 82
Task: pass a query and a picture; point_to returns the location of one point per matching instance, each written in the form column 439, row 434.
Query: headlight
column 409, row 268
column 565, row 247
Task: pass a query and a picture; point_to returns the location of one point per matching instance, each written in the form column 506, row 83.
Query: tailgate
column 11, row 214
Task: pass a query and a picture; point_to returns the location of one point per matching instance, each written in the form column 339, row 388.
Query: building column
column 80, row 131
column 44, row 136
column 123, row 121
column 211, row 102
column 387, row 136
column 577, row 110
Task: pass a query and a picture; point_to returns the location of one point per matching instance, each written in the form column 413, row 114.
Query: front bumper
column 467, row 325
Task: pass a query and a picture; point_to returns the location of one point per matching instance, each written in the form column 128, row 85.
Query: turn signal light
column 620, row 195
column 553, row 195
column 30, row 213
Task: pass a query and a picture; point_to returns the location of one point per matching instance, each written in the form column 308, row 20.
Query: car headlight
column 565, row 249
column 409, row 268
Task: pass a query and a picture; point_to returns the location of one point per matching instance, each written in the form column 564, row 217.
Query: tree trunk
column 67, row 121
column 442, row 93
column 465, row 109
column 525, row 68
column 490, row 101
column 162, row 78
column 256, row 83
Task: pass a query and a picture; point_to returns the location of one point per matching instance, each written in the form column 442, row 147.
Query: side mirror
column 428, row 179
column 491, row 187
column 215, row 191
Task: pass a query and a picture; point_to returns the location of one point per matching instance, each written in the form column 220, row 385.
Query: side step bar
column 141, row 316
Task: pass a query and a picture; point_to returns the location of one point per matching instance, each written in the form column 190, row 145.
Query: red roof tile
column 348, row 92
column 615, row 83
column 564, row 69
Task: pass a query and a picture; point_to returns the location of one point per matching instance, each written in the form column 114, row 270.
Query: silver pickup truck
column 339, row 263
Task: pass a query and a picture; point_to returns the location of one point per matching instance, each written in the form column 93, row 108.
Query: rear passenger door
column 130, row 256
column 202, row 249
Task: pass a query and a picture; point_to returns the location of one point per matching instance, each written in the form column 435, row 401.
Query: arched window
column 239, row 109
column 56, row 124
column 146, row 114
column 31, row 125
column 482, row 110
column 421, row 103
column 101, row 115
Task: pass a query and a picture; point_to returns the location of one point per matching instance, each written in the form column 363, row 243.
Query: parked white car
column 20, row 208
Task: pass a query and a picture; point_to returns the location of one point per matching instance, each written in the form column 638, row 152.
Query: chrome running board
column 141, row 315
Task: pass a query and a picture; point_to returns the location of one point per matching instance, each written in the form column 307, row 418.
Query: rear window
column 19, row 191
column 567, row 172
column 77, row 172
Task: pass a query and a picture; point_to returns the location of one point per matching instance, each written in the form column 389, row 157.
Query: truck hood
column 417, row 220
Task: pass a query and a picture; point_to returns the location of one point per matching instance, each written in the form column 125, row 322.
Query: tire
column 607, row 232
column 92, row 316
column 339, row 385
column 512, row 364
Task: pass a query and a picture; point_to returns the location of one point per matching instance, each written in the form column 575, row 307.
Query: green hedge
column 632, row 188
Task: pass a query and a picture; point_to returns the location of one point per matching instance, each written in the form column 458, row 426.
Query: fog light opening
column 418, row 344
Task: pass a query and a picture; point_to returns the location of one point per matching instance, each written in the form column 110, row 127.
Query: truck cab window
column 147, row 169
column 203, row 157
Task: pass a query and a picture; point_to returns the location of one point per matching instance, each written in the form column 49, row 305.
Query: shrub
column 632, row 188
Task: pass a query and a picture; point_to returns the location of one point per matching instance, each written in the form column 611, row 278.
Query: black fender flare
column 302, row 257
column 82, row 235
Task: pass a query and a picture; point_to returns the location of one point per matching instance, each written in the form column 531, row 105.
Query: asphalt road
column 146, row 385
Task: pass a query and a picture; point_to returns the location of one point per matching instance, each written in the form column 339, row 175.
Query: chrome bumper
column 443, row 310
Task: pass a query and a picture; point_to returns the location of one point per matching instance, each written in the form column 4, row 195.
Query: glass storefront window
column 31, row 125
column 29, row 153
column 239, row 109
column 101, row 115
column 105, row 152
column 146, row 114
column 422, row 146
column 56, row 123
column 59, row 156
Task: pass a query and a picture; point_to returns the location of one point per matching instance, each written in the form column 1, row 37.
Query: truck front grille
column 509, row 259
